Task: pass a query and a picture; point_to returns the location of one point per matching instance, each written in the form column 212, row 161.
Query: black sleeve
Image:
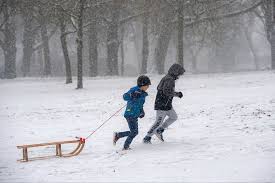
column 169, row 87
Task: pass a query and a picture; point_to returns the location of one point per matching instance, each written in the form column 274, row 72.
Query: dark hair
column 143, row 81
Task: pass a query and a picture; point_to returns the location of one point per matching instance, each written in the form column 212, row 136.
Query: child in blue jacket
column 135, row 98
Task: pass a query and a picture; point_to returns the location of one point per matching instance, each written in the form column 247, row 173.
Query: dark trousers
column 133, row 126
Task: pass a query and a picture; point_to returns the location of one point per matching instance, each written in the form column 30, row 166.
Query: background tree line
column 122, row 37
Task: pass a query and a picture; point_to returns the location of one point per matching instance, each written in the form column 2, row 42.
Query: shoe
column 126, row 149
column 159, row 134
column 147, row 140
column 115, row 138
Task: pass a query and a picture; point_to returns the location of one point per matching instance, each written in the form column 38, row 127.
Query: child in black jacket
column 163, row 103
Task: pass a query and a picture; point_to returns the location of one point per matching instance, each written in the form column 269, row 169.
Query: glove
column 136, row 94
column 142, row 114
column 178, row 94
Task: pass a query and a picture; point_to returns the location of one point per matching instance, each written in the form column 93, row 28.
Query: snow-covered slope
column 225, row 130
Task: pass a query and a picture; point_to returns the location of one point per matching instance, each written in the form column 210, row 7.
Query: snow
column 225, row 130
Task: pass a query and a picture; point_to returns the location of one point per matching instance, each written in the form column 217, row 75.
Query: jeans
column 133, row 126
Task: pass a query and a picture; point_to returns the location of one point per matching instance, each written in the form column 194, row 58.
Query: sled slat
column 46, row 144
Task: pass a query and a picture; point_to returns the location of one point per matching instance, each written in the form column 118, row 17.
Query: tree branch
column 229, row 15
column 41, row 44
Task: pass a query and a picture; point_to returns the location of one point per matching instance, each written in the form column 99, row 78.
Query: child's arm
column 131, row 95
column 127, row 96
column 142, row 113
column 168, row 88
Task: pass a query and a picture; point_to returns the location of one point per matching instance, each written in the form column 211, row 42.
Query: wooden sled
column 75, row 152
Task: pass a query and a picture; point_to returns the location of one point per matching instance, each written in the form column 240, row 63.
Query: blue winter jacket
column 134, row 105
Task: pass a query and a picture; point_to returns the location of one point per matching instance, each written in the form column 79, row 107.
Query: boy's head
column 143, row 82
column 176, row 70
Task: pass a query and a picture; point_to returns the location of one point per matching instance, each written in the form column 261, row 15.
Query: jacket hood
column 176, row 70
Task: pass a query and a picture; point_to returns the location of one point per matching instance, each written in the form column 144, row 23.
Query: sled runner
column 80, row 145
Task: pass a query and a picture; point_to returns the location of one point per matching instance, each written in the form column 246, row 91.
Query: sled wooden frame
column 75, row 152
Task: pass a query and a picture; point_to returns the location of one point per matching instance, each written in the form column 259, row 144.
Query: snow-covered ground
column 225, row 130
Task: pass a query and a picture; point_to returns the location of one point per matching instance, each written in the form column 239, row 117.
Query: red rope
column 104, row 123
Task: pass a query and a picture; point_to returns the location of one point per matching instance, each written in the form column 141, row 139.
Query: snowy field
column 225, row 130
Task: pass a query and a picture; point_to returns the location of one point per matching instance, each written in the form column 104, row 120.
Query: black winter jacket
column 166, row 88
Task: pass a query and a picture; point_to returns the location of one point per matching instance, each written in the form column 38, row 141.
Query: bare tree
column 28, row 36
column 180, row 31
column 8, row 43
column 63, row 40
column 79, row 42
column 145, row 40
column 93, row 41
column 112, row 38
column 250, row 19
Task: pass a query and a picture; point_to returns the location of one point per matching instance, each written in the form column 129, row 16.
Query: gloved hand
column 178, row 94
column 135, row 94
column 142, row 114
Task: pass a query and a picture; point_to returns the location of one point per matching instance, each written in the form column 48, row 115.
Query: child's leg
column 159, row 119
column 133, row 125
column 123, row 134
column 172, row 117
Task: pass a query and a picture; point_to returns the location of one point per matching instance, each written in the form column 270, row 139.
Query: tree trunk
column 40, row 60
column 145, row 41
column 273, row 50
column 251, row 47
column 162, row 47
column 194, row 61
column 161, row 50
column 93, row 54
column 122, row 50
column 273, row 37
column 28, row 41
column 180, row 32
column 9, row 43
column 46, row 50
column 269, row 9
column 65, row 52
column 79, row 42
column 112, row 39
column 163, row 40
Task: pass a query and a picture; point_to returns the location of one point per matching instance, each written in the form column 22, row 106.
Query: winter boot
column 159, row 133
column 126, row 148
column 147, row 140
column 115, row 138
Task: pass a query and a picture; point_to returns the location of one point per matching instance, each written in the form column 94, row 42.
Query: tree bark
column 65, row 51
column 112, row 39
column 251, row 47
column 273, row 37
column 163, row 40
column 46, row 50
column 93, row 54
column 9, row 43
column 79, row 42
column 273, row 50
column 122, row 50
column 145, row 41
column 161, row 49
column 194, row 61
column 28, row 41
column 180, row 32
